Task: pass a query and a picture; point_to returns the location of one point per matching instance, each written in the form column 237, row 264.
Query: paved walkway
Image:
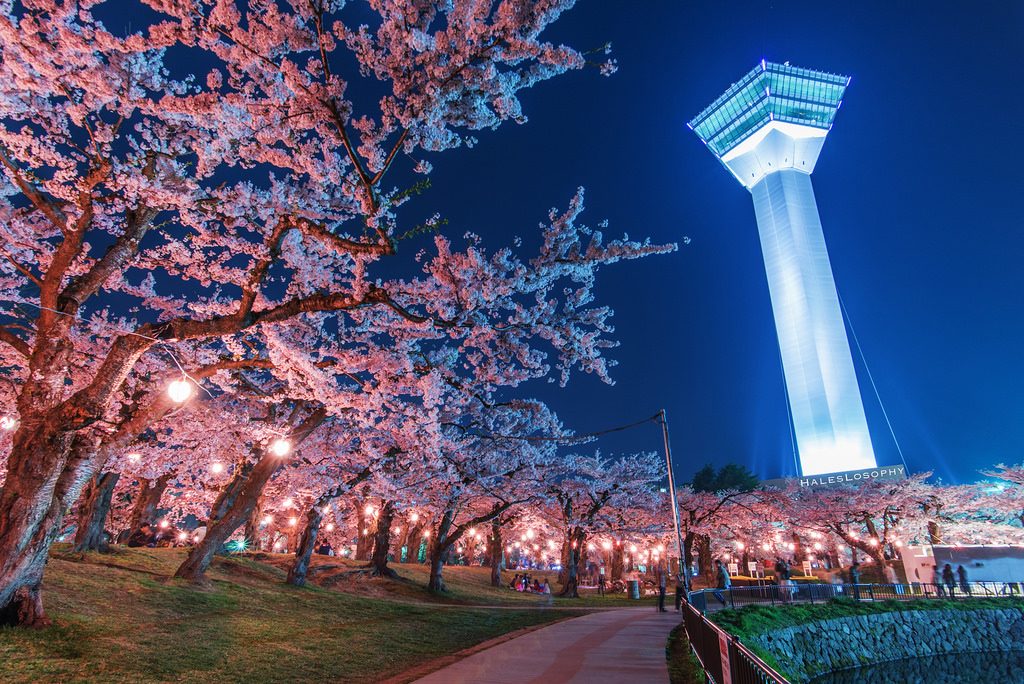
column 610, row 647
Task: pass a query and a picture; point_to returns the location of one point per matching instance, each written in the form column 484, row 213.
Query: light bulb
column 216, row 468
column 414, row 517
column 164, row 524
column 426, row 534
column 280, row 447
column 183, row 536
column 179, row 390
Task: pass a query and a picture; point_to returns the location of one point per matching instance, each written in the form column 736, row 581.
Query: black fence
column 724, row 659
column 775, row 594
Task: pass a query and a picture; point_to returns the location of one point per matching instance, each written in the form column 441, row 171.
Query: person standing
column 855, row 580
column 937, row 581
column 724, row 581
column 601, row 581
column 961, row 573
column 949, row 580
column 679, row 590
column 662, row 587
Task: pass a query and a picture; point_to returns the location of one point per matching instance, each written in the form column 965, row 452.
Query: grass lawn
column 683, row 666
column 119, row 618
column 466, row 584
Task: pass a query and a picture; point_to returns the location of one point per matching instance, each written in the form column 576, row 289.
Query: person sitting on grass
column 546, row 589
column 536, row 586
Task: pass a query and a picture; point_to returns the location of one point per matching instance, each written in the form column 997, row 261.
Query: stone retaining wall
column 806, row 651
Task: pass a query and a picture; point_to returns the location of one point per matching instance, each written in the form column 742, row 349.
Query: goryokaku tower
column 768, row 130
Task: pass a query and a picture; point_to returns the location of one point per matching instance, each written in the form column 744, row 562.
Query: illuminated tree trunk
column 577, row 539
column 252, row 526
column 93, row 509
column 299, row 569
column 382, row 542
column 31, row 516
column 147, row 502
column 231, row 510
column 617, row 561
column 440, row 549
column 497, row 554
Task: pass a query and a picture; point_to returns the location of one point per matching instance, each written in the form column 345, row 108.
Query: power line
column 569, row 438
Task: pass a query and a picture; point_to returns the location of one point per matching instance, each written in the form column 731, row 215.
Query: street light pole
column 683, row 565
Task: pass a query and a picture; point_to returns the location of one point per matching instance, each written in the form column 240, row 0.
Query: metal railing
column 722, row 657
column 775, row 594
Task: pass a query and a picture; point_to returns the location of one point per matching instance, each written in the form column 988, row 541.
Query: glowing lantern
column 280, row 447
column 216, row 468
column 179, row 390
column 164, row 524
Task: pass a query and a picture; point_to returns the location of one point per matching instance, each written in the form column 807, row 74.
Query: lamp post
column 684, row 567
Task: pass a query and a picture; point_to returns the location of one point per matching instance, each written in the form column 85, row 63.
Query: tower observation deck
column 768, row 130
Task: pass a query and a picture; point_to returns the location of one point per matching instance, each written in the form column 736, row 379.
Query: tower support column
column 827, row 411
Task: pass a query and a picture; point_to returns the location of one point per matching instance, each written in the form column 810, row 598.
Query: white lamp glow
column 179, row 390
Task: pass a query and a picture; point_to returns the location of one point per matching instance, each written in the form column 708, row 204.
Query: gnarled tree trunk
column 617, row 561
column 382, row 542
column 44, row 478
column 571, row 586
column 93, row 509
column 299, row 569
column 440, row 548
column 147, row 502
column 252, row 526
column 229, row 512
column 497, row 553
column 306, row 545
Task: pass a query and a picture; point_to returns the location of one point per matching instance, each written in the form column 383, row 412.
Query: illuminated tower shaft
column 768, row 130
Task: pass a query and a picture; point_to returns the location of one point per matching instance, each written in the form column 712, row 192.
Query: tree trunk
column 563, row 573
column 92, row 513
column 252, row 526
column 570, row 588
column 688, row 542
column 364, row 540
column 233, row 513
column 382, row 542
column 497, row 553
column 798, row 548
column 148, row 502
column 440, row 548
column 617, row 561
column 46, row 471
column 704, row 555
column 299, row 570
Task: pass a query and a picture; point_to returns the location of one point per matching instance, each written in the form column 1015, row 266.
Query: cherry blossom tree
column 214, row 210
column 581, row 488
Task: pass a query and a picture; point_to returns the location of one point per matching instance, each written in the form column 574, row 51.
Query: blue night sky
column 918, row 195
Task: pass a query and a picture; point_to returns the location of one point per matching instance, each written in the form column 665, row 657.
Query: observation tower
column 768, row 130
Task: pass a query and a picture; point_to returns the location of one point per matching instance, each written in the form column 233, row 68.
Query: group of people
column 948, row 581
column 523, row 583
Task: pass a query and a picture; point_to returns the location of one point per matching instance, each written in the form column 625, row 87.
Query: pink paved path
column 609, row 647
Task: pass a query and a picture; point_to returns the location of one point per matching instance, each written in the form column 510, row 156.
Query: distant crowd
column 523, row 583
